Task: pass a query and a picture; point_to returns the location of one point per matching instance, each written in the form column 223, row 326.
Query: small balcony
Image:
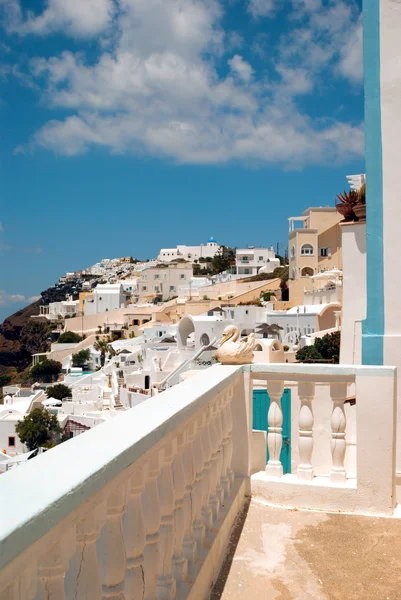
column 151, row 504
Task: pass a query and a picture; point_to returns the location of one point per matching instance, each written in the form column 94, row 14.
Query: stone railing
column 335, row 411
column 142, row 506
column 139, row 507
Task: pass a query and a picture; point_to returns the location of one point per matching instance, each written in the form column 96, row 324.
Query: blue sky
column 130, row 125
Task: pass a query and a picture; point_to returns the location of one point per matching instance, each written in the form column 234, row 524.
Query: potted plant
column 360, row 206
column 347, row 203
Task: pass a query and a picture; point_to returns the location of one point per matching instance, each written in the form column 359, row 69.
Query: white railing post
column 275, row 390
column 189, row 545
column 180, row 564
column 87, row 582
column 112, row 563
column 338, row 393
column 166, row 585
column 134, row 535
column 207, row 515
column 51, row 573
column 151, row 513
column 215, row 475
column 198, row 488
column 306, row 393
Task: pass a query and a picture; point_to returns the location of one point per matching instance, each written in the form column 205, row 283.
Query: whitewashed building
column 189, row 252
column 106, row 297
column 253, row 260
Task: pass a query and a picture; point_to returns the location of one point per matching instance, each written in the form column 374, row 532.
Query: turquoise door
column 261, row 403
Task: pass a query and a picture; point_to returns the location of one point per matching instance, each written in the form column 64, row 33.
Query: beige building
column 164, row 281
column 314, row 245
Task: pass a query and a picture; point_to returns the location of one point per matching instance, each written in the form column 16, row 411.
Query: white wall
column 354, row 291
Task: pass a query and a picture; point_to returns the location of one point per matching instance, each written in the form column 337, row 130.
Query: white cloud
column 241, row 68
column 10, row 298
column 80, row 18
column 156, row 89
column 351, row 64
column 328, row 36
column 261, row 8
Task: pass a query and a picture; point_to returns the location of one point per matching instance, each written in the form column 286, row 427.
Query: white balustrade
column 338, row 392
column 112, row 565
column 141, row 505
column 152, row 518
column 134, row 535
column 306, row 392
column 166, row 584
column 275, row 390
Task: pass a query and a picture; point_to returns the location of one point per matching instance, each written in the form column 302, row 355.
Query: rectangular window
column 156, row 277
column 144, row 288
column 260, row 258
column 182, row 276
column 324, row 252
column 11, row 441
column 172, row 288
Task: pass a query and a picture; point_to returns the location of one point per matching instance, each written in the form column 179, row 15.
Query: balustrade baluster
column 220, row 449
column 306, row 393
column 214, row 474
column 198, row 492
column 112, row 558
column 179, row 561
column 51, row 574
column 189, row 545
column 151, row 513
column 86, row 583
column 207, row 515
column 230, row 472
column 275, row 390
column 227, row 447
column 166, row 584
column 338, row 392
column 134, row 536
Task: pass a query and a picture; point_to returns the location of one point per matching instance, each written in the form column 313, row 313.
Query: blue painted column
column 373, row 326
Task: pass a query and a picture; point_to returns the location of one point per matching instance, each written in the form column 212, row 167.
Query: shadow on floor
column 218, row 588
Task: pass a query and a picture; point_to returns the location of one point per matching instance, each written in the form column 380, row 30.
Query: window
column 172, row 288
column 100, row 298
column 260, row 258
column 144, row 288
column 324, row 252
column 247, row 312
column 307, row 272
column 11, row 441
column 307, row 250
column 182, row 276
column 156, row 277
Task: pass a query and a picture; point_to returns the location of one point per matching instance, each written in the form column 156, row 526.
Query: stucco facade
column 312, row 248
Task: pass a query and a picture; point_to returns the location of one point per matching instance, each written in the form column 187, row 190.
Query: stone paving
column 279, row 554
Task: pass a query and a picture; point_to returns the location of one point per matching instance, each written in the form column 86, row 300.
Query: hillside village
column 111, row 336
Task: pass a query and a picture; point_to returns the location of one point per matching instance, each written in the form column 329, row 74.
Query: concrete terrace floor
column 279, row 554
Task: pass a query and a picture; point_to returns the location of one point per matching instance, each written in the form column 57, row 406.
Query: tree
column 38, row 428
column 35, row 336
column 69, row 337
column 325, row 348
column 308, row 354
column 59, row 391
column 223, row 259
column 329, row 346
column 46, row 370
column 4, row 380
column 104, row 348
column 81, row 358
